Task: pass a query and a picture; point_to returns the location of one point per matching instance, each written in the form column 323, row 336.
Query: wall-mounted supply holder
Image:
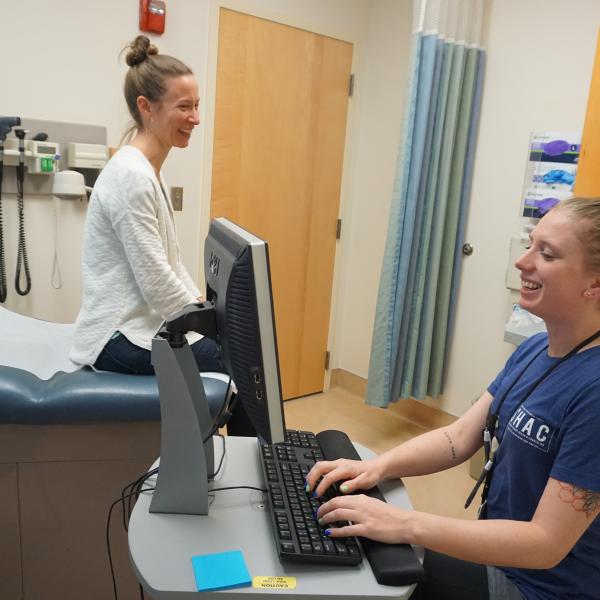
column 87, row 156
column 87, row 159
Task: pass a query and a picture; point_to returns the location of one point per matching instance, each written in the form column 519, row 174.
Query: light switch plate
column 177, row 198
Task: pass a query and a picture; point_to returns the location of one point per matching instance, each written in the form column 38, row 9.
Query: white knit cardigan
column 132, row 274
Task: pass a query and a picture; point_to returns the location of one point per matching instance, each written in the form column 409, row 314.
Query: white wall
column 69, row 70
column 380, row 91
column 539, row 65
column 538, row 72
column 65, row 67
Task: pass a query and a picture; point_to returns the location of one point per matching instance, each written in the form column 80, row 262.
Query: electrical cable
column 211, row 477
column 133, row 486
column 137, row 488
column 225, row 412
column 56, row 277
column 238, row 487
column 110, row 560
column 3, row 286
column 22, row 260
column 142, row 479
column 6, row 124
column 132, row 490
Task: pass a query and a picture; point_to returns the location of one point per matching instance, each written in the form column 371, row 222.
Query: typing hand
column 369, row 518
column 354, row 475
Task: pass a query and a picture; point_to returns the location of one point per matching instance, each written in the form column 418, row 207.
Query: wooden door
column 587, row 182
column 280, row 122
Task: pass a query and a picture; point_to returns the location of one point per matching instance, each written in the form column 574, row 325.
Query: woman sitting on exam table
column 541, row 535
column 133, row 277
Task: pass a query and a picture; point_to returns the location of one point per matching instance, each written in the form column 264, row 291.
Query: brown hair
column 147, row 76
column 586, row 215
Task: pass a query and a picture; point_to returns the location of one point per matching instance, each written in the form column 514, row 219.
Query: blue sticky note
column 220, row 571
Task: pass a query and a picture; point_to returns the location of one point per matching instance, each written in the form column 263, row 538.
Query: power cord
column 22, row 260
column 134, row 488
column 6, row 124
column 225, row 413
column 223, row 451
column 110, row 560
column 56, row 277
column 238, row 487
column 131, row 492
column 3, row 286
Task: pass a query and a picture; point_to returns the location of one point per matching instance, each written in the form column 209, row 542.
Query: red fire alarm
column 152, row 15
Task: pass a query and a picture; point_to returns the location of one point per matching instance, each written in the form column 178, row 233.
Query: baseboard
column 416, row 412
column 349, row 382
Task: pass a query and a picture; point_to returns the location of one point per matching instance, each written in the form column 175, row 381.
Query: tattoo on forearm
column 581, row 500
column 451, row 445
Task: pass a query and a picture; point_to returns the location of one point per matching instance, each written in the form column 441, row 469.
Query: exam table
column 70, row 440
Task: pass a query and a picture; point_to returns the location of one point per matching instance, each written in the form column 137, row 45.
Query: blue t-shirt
column 555, row 433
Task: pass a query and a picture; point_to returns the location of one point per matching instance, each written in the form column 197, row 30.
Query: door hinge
column 351, row 85
column 327, row 359
column 338, row 229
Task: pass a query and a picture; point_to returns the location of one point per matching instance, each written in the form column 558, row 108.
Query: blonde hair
column 585, row 212
column 147, row 76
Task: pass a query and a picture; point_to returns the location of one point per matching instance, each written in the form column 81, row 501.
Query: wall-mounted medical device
column 68, row 185
column 40, row 157
column 44, row 157
column 87, row 156
column 33, row 163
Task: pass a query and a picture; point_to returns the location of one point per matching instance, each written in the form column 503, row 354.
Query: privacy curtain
column 421, row 266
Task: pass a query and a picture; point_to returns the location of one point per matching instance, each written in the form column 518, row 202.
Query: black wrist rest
column 392, row 564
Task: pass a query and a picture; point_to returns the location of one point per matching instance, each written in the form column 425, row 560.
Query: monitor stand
column 185, row 460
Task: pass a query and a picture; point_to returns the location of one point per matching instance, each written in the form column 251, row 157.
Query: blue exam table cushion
column 40, row 385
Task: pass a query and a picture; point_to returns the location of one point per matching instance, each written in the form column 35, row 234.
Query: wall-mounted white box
column 87, row 156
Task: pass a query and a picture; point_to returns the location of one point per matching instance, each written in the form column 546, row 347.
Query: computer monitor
column 238, row 284
column 238, row 314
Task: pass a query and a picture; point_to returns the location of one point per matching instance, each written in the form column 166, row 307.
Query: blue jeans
column 122, row 356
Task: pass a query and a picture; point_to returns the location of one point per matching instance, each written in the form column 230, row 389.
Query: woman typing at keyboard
column 539, row 532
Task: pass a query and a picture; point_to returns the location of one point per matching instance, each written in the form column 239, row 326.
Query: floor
column 381, row 429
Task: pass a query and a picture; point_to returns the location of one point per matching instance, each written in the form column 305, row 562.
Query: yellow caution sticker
column 274, row 583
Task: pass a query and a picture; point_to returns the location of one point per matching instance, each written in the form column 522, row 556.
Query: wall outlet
column 177, row 198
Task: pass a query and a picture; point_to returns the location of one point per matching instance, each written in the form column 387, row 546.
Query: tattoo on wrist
column 451, row 445
column 581, row 500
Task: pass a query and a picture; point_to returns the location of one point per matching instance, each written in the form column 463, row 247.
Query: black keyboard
column 298, row 535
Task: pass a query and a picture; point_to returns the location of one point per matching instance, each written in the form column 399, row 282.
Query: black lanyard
column 491, row 422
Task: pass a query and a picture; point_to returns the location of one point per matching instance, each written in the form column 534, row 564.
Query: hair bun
column 139, row 50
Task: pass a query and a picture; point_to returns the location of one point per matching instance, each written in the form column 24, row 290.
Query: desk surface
column 161, row 545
